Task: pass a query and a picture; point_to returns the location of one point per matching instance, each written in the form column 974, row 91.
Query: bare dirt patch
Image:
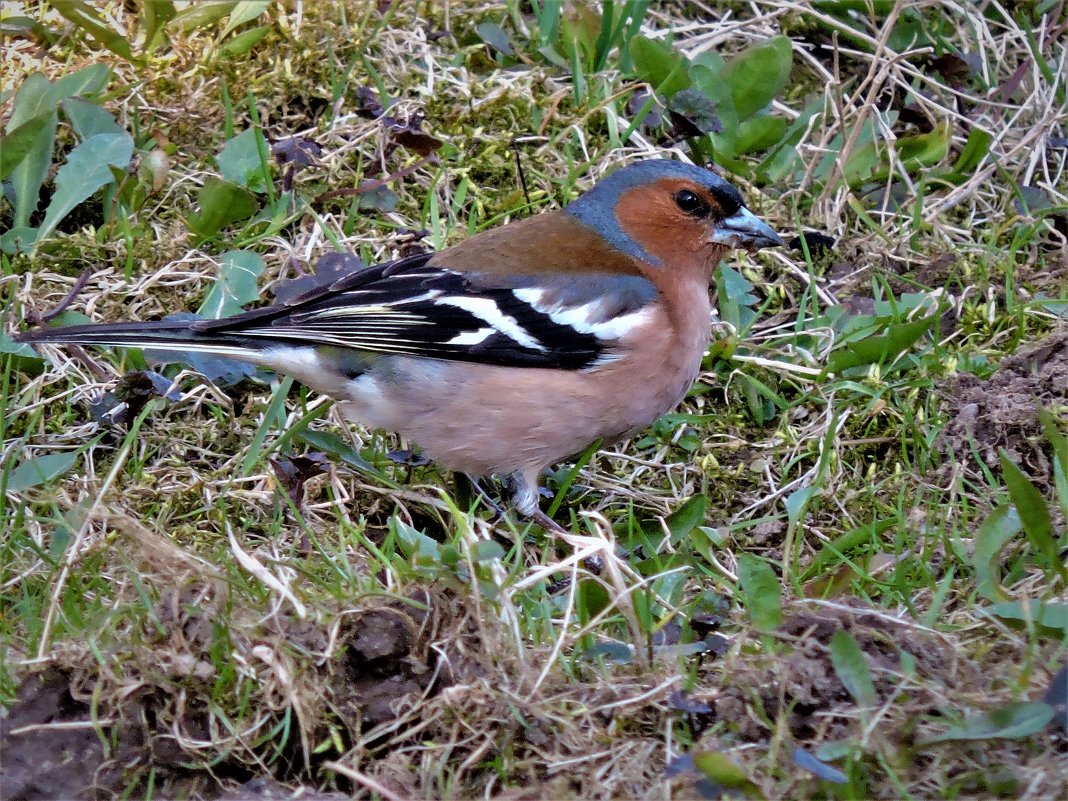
column 76, row 733
column 1002, row 411
column 54, row 746
column 801, row 686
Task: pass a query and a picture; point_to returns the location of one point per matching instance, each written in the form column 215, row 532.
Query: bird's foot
column 524, row 497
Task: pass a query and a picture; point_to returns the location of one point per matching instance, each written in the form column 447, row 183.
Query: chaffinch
column 516, row 348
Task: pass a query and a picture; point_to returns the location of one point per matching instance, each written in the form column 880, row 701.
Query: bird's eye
column 691, row 203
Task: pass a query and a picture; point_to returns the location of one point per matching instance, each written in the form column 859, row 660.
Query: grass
column 806, row 582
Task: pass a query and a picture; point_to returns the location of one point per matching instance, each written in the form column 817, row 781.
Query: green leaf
column 1034, row 513
column 88, row 169
column 1055, row 437
column 201, row 15
column 154, row 15
column 58, row 542
column 379, row 198
column 761, row 592
column 759, row 133
column 852, row 668
column 880, row 348
column 974, row 151
column 244, row 11
column 88, row 118
column 903, row 304
column 659, row 65
column 860, row 164
column 339, row 450
column 1059, row 443
column 661, row 562
column 88, row 82
column 707, row 80
column 16, row 240
column 758, row 74
column 617, row 30
column 494, row 35
column 235, row 286
column 592, row 598
column 1053, row 617
column 84, row 16
column 29, row 173
column 697, row 108
column 1012, row 722
column 221, row 203
column 39, row 470
column 245, row 41
column 38, row 95
column 38, row 98
column 783, row 158
column 797, row 502
column 614, row 652
column 734, row 295
column 8, row 345
column 417, row 545
column 487, row 551
column 736, row 286
column 833, row 750
column 30, row 363
column 994, row 534
column 70, row 317
column 549, row 54
column 450, row 557
column 686, row 518
column 761, row 399
column 725, row 773
column 240, row 163
column 17, row 144
column 579, row 26
column 924, row 150
column 31, row 100
column 842, row 545
column 27, row 28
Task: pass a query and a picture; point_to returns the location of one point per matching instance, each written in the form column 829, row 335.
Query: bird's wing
column 412, row 308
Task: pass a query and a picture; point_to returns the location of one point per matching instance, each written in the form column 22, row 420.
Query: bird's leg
column 469, row 488
column 523, row 490
column 464, row 488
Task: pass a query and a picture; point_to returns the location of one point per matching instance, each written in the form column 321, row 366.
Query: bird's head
column 667, row 213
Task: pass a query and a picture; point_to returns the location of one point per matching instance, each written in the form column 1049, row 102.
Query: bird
column 515, row 348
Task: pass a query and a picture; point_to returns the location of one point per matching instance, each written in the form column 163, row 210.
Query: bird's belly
column 523, row 420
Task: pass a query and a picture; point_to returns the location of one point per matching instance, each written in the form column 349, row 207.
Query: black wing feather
column 407, row 307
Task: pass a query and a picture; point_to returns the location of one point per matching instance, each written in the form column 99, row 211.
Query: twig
column 365, row 781
column 873, row 82
column 522, row 175
column 33, row 318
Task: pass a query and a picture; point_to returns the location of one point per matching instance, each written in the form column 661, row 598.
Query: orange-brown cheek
column 658, row 227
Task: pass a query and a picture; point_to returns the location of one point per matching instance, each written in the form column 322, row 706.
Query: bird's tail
column 173, row 335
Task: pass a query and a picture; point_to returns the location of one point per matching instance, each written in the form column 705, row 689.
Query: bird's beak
column 743, row 229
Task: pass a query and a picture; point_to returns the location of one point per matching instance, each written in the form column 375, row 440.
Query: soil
column 802, row 684
column 55, row 747
column 1001, row 412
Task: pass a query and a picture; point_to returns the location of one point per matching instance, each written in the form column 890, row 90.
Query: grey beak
column 743, row 229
